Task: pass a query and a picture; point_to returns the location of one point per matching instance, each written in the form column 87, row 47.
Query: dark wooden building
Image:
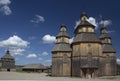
column 7, row 62
column 88, row 56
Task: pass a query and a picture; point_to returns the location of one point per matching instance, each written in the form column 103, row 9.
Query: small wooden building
column 34, row 68
column 7, row 62
column 61, row 59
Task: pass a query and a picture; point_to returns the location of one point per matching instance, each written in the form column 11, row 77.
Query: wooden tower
column 61, row 54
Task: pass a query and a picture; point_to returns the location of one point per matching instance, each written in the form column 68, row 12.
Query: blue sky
column 35, row 24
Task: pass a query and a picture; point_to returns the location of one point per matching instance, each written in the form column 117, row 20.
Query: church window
column 87, row 30
column 80, row 30
column 84, row 29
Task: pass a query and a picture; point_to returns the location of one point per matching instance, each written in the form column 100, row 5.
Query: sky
column 28, row 27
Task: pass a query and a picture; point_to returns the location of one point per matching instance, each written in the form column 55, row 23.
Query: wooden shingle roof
column 62, row 34
column 85, row 23
column 104, row 35
column 8, row 56
column 108, row 48
column 86, row 37
column 34, row 66
column 62, row 47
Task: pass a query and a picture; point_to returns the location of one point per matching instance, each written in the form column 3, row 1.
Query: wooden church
column 88, row 56
column 8, row 62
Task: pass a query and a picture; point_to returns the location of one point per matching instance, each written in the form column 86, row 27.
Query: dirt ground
column 15, row 76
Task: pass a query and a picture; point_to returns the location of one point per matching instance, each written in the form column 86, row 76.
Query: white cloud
column 37, row 19
column 5, row 2
column 44, row 54
column 14, row 42
column 4, row 7
column 49, row 39
column 17, row 51
column 91, row 20
column 32, row 56
column 6, row 10
column 77, row 23
column 118, row 61
column 105, row 22
column 71, row 40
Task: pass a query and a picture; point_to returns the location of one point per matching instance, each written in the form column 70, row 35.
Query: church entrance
column 88, row 73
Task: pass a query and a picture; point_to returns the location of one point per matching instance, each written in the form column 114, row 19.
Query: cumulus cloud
column 105, row 22
column 4, row 7
column 37, row 19
column 118, row 61
column 91, row 20
column 18, row 51
column 31, row 56
column 6, row 10
column 14, row 42
column 49, row 39
column 44, row 54
column 5, row 2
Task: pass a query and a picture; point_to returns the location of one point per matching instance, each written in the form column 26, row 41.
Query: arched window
column 87, row 30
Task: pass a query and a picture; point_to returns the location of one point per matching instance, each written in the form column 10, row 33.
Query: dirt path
column 42, row 77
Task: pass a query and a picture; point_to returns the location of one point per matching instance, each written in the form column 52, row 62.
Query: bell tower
column 61, row 54
column 109, row 53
